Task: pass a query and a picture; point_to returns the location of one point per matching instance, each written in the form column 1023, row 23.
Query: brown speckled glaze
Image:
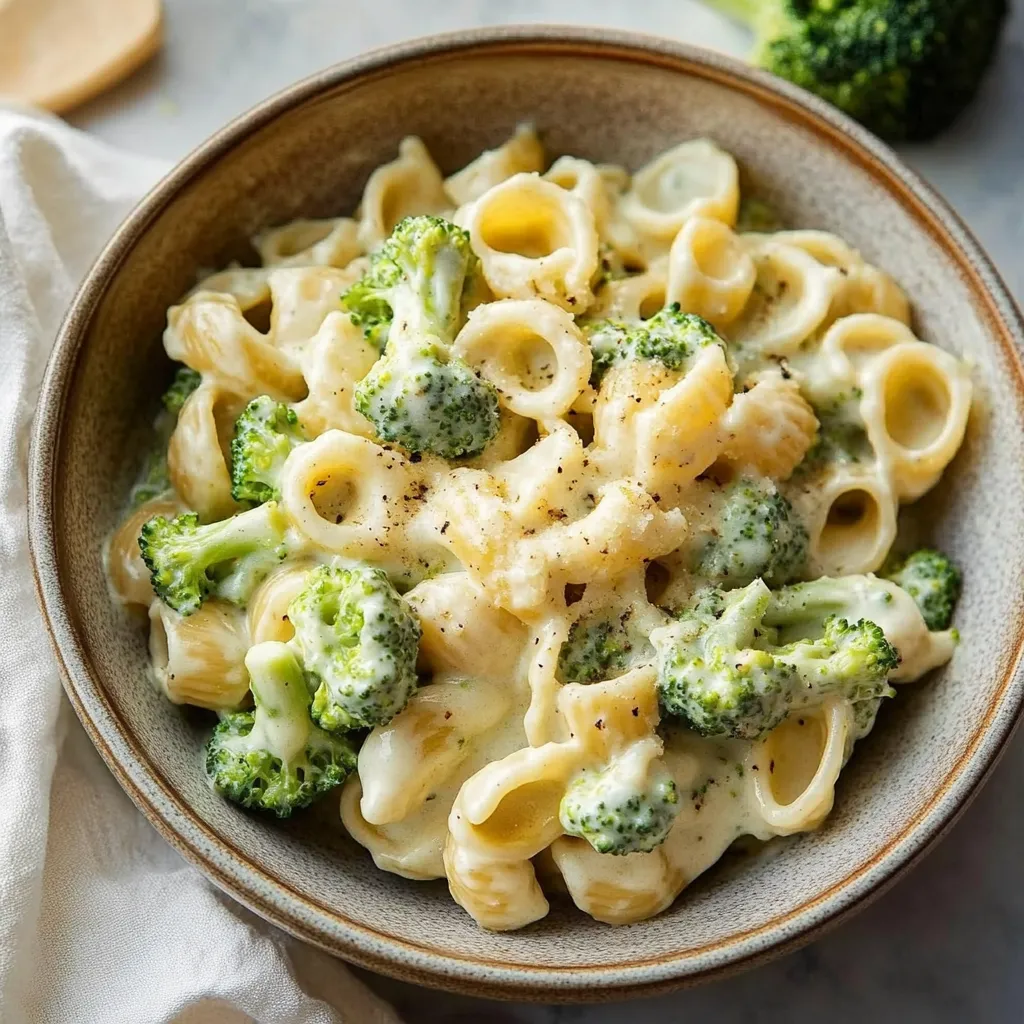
column 604, row 96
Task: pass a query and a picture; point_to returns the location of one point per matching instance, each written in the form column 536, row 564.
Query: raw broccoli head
column 670, row 337
column 274, row 758
column 186, row 380
column 419, row 276
column 934, row 582
column 358, row 642
column 760, row 535
column 903, row 68
column 427, row 402
column 619, row 811
column 264, row 437
column 720, row 670
column 188, row 562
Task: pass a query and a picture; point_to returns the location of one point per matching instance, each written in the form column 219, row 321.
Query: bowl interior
column 310, row 155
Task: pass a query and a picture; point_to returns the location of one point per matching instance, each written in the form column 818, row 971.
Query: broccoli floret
column 904, row 68
column 606, row 338
column 594, row 651
column 419, row 275
column 670, row 337
column 622, row 808
column 933, row 581
column 426, row 402
column 418, row 395
column 189, row 562
column 264, row 437
column 274, row 758
column 358, row 641
column 602, row 645
column 760, row 535
column 720, row 670
column 186, row 380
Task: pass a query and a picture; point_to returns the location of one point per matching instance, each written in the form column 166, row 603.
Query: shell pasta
column 545, row 521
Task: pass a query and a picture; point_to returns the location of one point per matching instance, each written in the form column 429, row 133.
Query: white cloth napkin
column 100, row 921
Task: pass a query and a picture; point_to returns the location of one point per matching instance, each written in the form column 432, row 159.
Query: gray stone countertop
column 947, row 942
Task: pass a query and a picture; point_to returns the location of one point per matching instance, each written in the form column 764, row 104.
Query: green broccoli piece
column 153, row 481
column 358, row 641
column 189, row 562
column 720, row 669
column 933, row 581
column 800, row 610
column 621, row 808
column 760, row 535
column 670, row 337
column 425, row 402
column 841, row 436
column 186, row 380
column 904, row 68
column 264, row 437
column 595, row 650
column 154, row 477
column 274, row 758
column 606, row 339
column 421, row 274
column 419, row 395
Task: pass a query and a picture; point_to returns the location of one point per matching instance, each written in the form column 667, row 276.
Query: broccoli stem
column 282, row 722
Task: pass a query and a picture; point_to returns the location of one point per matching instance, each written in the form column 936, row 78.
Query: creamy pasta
column 536, row 514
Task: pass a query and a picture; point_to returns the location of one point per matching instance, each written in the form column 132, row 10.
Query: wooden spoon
column 59, row 53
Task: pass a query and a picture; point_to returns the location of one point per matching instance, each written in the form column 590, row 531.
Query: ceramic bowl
column 607, row 97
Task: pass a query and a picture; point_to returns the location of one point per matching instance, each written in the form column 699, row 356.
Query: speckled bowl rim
column 271, row 898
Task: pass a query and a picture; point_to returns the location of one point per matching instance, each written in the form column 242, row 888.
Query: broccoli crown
column 720, row 670
column 594, row 650
column 934, row 582
column 274, row 758
column 188, row 562
column 618, row 812
column 186, row 380
column 358, row 642
column 670, row 337
column 264, row 437
column 419, row 274
column 850, row 658
column 426, row 403
column 418, row 396
column 904, row 68
column 760, row 535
